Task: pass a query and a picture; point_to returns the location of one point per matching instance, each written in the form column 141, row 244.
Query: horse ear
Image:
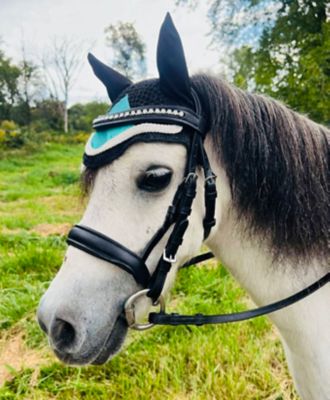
column 113, row 80
column 173, row 72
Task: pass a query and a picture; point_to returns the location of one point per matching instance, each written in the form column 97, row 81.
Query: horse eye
column 154, row 179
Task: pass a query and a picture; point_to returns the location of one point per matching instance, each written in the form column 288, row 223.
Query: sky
column 38, row 22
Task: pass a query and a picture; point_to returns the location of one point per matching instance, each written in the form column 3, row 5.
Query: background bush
column 11, row 135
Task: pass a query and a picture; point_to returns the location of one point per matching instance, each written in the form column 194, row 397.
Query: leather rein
column 105, row 248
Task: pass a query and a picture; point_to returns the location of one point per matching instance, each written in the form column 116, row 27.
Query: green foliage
column 292, row 61
column 29, row 83
column 82, row 115
column 234, row 23
column 128, row 49
column 11, row 136
column 9, row 74
column 47, row 115
column 242, row 64
column 277, row 47
column 71, row 138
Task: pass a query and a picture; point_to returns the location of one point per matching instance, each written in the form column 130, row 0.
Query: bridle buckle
column 170, row 259
column 191, row 175
column 130, row 310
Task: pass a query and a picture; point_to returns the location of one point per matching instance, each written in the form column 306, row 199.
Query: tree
column 277, row 47
column 237, row 23
column 28, row 84
column 293, row 59
column 128, row 49
column 61, row 64
column 9, row 75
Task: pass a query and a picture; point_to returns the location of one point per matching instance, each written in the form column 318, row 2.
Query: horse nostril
column 62, row 333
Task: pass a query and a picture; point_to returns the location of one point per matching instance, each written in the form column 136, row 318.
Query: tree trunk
column 65, row 111
column 66, row 118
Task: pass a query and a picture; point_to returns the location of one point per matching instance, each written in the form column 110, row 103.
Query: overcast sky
column 38, row 21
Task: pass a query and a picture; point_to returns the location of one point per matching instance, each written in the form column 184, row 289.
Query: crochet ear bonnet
column 155, row 110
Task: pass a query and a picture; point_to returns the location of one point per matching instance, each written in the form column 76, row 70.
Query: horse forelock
column 277, row 163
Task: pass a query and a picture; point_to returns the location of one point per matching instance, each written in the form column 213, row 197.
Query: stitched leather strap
column 154, row 114
column 200, row 319
column 197, row 259
column 210, row 192
column 181, row 208
column 101, row 246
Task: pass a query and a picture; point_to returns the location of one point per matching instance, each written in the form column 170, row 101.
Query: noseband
column 105, row 248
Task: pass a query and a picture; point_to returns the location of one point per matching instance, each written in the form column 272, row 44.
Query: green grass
column 30, row 185
column 238, row 361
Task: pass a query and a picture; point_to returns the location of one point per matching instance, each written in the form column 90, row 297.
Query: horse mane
column 277, row 163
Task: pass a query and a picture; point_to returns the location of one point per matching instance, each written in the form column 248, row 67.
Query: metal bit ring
column 130, row 310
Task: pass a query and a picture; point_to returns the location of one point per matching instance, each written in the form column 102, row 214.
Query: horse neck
column 305, row 326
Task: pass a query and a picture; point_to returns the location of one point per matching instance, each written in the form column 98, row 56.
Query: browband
column 155, row 114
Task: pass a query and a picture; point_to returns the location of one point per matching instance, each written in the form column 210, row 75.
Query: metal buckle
column 169, row 259
column 130, row 310
column 209, row 178
column 191, row 174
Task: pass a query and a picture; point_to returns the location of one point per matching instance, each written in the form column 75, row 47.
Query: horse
column 263, row 211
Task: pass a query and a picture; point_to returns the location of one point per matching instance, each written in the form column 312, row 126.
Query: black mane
column 277, row 162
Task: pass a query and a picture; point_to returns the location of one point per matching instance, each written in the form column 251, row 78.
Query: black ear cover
column 171, row 63
column 112, row 80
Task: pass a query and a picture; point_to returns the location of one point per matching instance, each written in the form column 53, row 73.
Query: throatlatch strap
column 198, row 259
column 105, row 248
column 200, row 319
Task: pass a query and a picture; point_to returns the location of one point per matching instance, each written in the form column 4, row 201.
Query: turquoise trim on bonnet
column 101, row 137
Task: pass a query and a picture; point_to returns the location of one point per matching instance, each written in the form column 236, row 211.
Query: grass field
column 39, row 199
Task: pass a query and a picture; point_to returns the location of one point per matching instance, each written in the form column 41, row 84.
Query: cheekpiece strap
column 153, row 114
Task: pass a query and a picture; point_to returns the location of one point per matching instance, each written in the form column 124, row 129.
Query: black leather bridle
column 105, row 248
